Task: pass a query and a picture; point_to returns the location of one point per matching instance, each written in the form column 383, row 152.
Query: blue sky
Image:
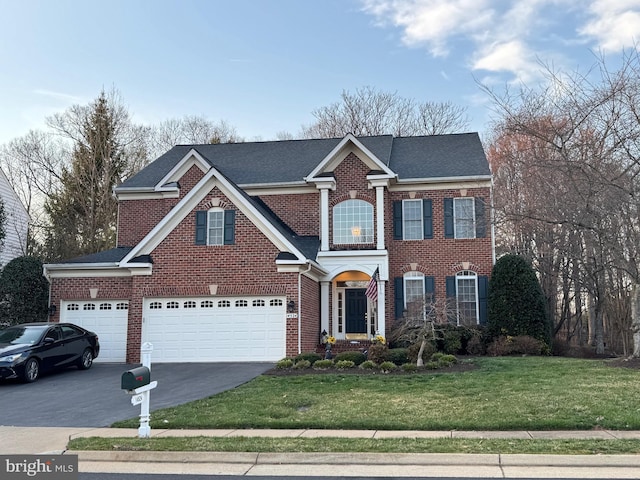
column 264, row 66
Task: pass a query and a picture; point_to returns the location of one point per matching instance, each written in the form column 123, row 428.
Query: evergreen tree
column 83, row 212
column 516, row 302
column 24, row 291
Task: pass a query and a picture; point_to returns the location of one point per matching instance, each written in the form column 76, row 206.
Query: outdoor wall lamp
column 291, row 306
column 52, row 310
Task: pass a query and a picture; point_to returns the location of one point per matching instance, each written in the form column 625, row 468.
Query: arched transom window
column 353, row 222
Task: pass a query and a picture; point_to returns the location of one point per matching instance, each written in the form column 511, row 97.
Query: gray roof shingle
column 438, row 156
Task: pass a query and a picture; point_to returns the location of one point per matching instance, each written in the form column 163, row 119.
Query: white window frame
column 473, row 276
column 353, row 222
column 412, row 277
column 215, row 233
column 414, row 222
column 458, row 231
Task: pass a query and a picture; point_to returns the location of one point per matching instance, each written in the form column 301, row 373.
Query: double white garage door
column 190, row 329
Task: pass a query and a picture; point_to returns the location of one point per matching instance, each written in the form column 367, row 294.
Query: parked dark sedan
column 29, row 349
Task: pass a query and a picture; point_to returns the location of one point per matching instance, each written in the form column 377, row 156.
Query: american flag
column 372, row 288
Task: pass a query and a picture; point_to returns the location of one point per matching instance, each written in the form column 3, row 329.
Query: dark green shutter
column 229, row 227
column 451, row 287
column 201, row 227
column 430, row 289
column 483, row 294
column 427, row 217
column 448, row 218
column 398, row 283
column 397, row 220
column 481, row 222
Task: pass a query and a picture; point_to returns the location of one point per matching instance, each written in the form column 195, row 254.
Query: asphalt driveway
column 93, row 398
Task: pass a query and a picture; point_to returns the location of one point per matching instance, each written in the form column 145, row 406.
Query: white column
column 324, row 307
column 382, row 313
column 380, row 217
column 324, row 220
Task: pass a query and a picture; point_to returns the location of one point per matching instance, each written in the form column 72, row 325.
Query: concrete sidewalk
column 20, row 440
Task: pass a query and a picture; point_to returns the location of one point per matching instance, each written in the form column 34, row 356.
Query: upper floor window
column 413, row 219
column 215, row 227
column 464, row 217
column 353, row 222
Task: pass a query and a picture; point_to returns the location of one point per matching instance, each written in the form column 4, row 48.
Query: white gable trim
column 177, row 172
column 347, row 145
column 212, row 179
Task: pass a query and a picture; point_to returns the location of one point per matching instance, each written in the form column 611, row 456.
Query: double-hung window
column 413, row 219
column 467, row 297
column 414, row 292
column 464, row 217
column 215, row 227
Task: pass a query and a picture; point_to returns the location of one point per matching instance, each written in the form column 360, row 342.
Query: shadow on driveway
column 93, row 398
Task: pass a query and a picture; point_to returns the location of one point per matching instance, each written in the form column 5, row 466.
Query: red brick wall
column 300, row 211
column 438, row 257
column 136, row 218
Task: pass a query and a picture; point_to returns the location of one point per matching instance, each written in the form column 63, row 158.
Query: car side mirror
column 49, row 340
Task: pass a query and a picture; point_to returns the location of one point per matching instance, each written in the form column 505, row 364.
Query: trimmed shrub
column 387, row 367
column 476, row 346
column 378, row 353
column 355, row 357
column 519, row 345
column 344, row 364
column 284, row 363
column 322, row 364
column 368, row 365
column 312, row 357
column 447, row 360
column 399, row 356
column 516, row 301
column 451, row 341
column 430, row 365
column 302, row 364
column 24, row 292
column 409, row 367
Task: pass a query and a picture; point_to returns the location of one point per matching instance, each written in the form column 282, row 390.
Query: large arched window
column 353, row 222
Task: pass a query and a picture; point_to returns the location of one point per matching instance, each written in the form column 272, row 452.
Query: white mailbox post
column 140, row 395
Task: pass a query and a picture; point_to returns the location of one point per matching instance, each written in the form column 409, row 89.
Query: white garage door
column 242, row 329
column 106, row 318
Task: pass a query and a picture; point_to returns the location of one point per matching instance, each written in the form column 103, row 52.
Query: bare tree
column 566, row 160
column 371, row 112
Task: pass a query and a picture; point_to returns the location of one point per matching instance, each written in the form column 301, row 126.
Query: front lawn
column 509, row 393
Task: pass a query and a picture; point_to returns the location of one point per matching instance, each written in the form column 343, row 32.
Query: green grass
column 339, row 445
column 523, row 393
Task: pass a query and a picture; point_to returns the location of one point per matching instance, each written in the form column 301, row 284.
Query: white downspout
column 300, row 307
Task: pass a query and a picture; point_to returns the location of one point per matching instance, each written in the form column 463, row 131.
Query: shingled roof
column 290, row 161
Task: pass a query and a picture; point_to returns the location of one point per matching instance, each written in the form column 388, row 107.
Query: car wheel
column 31, row 370
column 86, row 360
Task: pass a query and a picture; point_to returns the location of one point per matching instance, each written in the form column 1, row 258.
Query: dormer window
column 353, row 222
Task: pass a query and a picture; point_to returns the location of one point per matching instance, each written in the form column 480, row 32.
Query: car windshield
column 21, row 335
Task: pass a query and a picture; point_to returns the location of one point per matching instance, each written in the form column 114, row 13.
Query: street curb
column 421, row 459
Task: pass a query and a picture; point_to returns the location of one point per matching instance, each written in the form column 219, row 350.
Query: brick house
column 248, row 251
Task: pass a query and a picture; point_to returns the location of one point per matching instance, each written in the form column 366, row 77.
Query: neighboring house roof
column 290, row 161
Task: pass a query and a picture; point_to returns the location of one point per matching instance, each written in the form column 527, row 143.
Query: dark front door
column 356, row 303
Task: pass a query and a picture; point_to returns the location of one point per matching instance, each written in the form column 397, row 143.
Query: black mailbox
column 136, row 378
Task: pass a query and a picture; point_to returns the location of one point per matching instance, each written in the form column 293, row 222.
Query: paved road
column 93, row 398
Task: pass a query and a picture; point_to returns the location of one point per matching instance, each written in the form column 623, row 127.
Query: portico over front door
column 356, row 313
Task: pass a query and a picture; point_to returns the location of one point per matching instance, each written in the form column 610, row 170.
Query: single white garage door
column 107, row 318
column 238, row 329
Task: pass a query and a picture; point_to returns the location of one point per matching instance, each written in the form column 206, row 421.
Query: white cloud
column 512, row 56
column 432, row 22
column 613, row 24
column 59, row 96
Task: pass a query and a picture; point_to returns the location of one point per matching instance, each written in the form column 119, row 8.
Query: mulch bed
column 465, row 366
